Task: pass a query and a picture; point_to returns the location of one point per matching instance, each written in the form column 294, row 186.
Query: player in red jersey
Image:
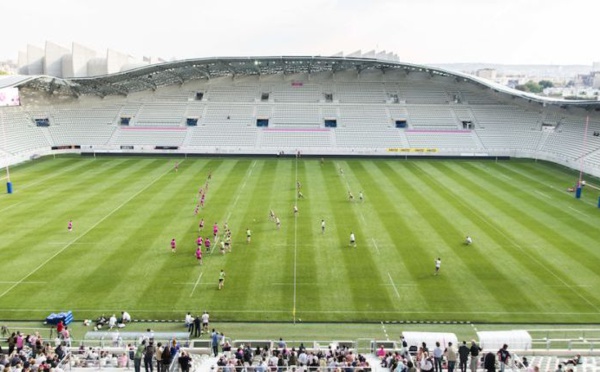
column 215, row 231
column 173, row 245
column 199, row 255
column 70, row 226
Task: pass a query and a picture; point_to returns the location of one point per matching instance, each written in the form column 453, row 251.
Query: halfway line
column 393, row 285
column 197, row 281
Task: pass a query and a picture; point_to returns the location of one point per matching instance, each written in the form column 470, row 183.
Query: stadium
column 408, row 158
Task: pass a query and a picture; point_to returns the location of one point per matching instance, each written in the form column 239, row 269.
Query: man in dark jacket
column 197, row 329
column 184, row 361
column 463, row 353
column 489, row 362
column 474, row 351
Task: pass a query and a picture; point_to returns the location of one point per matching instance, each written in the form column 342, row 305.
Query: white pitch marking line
column 542, row 194
column 61, row 243
column 375, row 244
column 10, row 206
column 393, row 285
column 23, row 282
column 196, row 284
column 84, row 234
column 578, row 211
column 362, row 218
column 241, row 188
column 370, row 311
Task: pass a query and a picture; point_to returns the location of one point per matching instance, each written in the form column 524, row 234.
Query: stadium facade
column 319, row 106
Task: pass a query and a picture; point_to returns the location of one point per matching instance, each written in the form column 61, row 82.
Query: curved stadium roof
column 178, row 72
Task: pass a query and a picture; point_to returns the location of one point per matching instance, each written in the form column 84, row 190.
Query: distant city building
column 569, row 92
column 487, row 73
column 9, row 67
column 596, row 79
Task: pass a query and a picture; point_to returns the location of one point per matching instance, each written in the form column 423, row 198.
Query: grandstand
column 319, row 105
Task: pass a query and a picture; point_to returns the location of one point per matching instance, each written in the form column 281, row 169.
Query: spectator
column 122, row 362
column 489, row 362
column 184, row 361
column 189, row 322
column 125, row 317
column 427, row 363
column 474, row 351
column 381, row 352
column 281, row 344
column 438, row 355
column 215, row 338
column 503, row 357
column 112, row 322
column 149, row 356
column 166, row 358
column 463, row 354
column 575, row 360
column 139, row 353
column 451, row 356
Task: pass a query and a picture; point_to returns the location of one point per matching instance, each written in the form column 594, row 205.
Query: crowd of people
column 260, row 359
column 32, row 353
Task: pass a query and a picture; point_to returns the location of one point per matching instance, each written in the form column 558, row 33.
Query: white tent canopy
column 493, row 340
column 430, row 338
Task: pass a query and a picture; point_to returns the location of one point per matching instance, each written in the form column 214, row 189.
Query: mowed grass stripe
column 508, row 243
column 120, row 263
column 439, row 229
column 44, row 270
column 49, row 235
column 564, row 237
column 402, row 219
column 358, row 262
column 379, row 216
column 227, row 197
column 48, row 227
column 505, row 248
column 575, row 229
column 485, row 292
column 383, row 209
column 250, row 284
column 308, row 294
column 27, row 176
column 540, row 173
column 327, row 249
column 530, row 212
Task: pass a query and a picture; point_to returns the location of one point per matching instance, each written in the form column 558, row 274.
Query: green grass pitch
column 535, row 256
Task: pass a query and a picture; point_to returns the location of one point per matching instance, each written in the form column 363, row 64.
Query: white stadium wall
column 35, row 60
column 53, row 59
column 115, row 61
column 77, row 63
column 97, row 67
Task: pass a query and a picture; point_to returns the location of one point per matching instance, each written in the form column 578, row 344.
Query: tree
column 545, row 84
column 531, row 86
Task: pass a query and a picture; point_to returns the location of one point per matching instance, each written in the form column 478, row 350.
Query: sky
column 557, row 32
